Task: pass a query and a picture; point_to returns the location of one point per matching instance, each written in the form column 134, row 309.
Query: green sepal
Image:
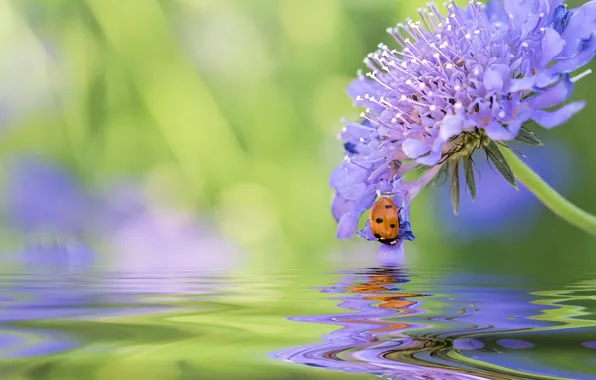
column 493, row 152
column 528, row 137
column 469, row 173
column 454, row 184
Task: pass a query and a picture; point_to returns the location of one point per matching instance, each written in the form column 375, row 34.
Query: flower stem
column 551, row 199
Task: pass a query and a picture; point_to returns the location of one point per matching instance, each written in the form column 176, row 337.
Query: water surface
column 394, row 322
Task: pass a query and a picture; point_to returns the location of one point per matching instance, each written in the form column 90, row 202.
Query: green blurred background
column 231, row 109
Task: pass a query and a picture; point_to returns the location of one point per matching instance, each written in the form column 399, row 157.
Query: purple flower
column 40, row 196
column 454, row 84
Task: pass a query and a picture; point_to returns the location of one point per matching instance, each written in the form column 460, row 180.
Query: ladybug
column 384, row 221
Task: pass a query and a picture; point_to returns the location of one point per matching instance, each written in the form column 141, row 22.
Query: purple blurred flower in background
column 458, row 83
column 138, row 234
column 498, row 207
column 42, row 196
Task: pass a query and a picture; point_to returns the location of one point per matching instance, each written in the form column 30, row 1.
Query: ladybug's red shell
column 384, row 220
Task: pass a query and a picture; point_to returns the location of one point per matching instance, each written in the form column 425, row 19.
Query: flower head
column 455, row 83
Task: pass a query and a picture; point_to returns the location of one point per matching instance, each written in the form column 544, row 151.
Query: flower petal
column 341, row 206
column 392, row 254
column 496, row 131
column 554, row 95
column 414, row 148
column 347, row 225
column 431, row 159
column 558, row 117
column 451, row 126
column 580, row 25
column 552, row 45
column 366, row 232
column 586, row 52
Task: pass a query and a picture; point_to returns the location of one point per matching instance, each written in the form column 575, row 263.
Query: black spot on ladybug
column 392, row 225
column 379, row 220
column 378, row 236
column 387, row 206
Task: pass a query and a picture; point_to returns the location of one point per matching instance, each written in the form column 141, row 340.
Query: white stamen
column 502, row 114
column 580, row 76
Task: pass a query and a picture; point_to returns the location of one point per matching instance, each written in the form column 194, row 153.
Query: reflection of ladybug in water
column 388, row 299
column 384, row 221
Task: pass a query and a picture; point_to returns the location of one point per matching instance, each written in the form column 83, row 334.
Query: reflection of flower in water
column 391, row 335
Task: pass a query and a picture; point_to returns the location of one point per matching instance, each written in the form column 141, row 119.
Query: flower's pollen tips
column 367, row 110
column 413, row 60
column 541, row 15
column 502, row 114
column 385, row 68
column 404, row 64
column 362, row 114
column 366, row 96
column 393, row 120
column 421, row 85
column 580, row 76
column 436, row 55
column 361, row 139
column 468, row 36
column 389, row 30
column 476, row 71
column 409, row 82
column 511, row 16
column 524, row 44
column 449, row 66
column 477, row 31
column 406, row 50
column 542, row 29
column 407, row 40
column 403, row 98
column 358, row 98
column 498, row 25
column 457, row 87
column 432, row 108
column 458, row 105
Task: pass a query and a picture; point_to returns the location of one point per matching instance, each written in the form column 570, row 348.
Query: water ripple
column 441, row 326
